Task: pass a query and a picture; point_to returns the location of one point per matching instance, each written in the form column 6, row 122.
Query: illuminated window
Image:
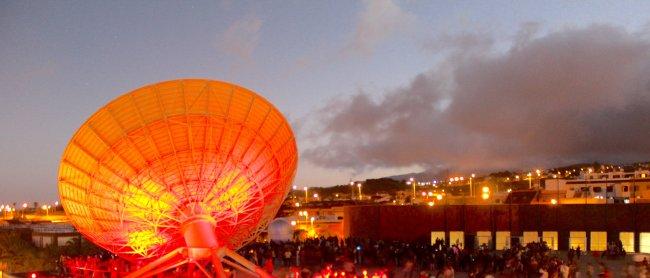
column 483, row 237
column 578, row 239
column 550, row 237
column 598, row 241
column 437, row 235
column 503, row 240
column 644, row 244
column 530, row 237
column 627, row 238
column 457, row 237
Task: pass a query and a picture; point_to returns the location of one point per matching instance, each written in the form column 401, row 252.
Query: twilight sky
column 372, row 88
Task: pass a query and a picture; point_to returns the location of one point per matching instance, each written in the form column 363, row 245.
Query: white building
column 611, row 187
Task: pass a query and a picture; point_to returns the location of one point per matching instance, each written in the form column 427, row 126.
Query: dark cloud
column 568, row 96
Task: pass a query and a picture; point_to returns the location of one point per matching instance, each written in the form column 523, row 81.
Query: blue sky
column 61, row 60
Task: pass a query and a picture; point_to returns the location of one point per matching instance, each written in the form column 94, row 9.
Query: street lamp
column 360, row 196
column 486, row 193
column 311, row 220
column 471, row 186
column 306, row 196
column 530, row 180
column 304, row 213
column 46, row 208
column 24, row 210
column 412, row 181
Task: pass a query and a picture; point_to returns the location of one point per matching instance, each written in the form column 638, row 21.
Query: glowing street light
column 306, row 196
column 412, row 182
column 553, row 202
column 486, row 193
column 471, row 186
column 293, row 223
column 304, row 213
column 46, row 208
column 430, row 204
column 360, row 196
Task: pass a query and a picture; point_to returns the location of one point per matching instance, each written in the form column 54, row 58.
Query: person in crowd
column 407, row 270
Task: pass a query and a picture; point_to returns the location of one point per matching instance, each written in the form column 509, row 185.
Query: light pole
column 46, row 208
column 557, row 186
column 412, row 181
column 530, row 180
column 311, row 220
column 486, row 193
column 360, row 196
column 351, row 190
column 306, row 196
column 471, row 186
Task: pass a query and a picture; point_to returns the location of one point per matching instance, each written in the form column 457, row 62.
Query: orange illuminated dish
column 156, row 158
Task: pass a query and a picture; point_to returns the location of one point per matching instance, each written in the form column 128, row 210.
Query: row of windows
column 576, row 239
column 591, row 177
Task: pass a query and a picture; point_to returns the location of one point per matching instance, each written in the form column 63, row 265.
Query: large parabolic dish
column 147, row 172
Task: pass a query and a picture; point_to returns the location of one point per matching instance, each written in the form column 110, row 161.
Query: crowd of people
column 320, row 257
column 330, row 257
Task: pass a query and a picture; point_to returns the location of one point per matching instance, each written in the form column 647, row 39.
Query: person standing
column 407, row 271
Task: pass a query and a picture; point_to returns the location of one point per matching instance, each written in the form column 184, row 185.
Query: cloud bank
column 567, row 96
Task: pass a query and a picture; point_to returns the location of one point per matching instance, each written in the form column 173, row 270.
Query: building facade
column 590, row 227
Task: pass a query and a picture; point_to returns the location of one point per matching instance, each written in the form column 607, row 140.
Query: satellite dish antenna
column 179, row 172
